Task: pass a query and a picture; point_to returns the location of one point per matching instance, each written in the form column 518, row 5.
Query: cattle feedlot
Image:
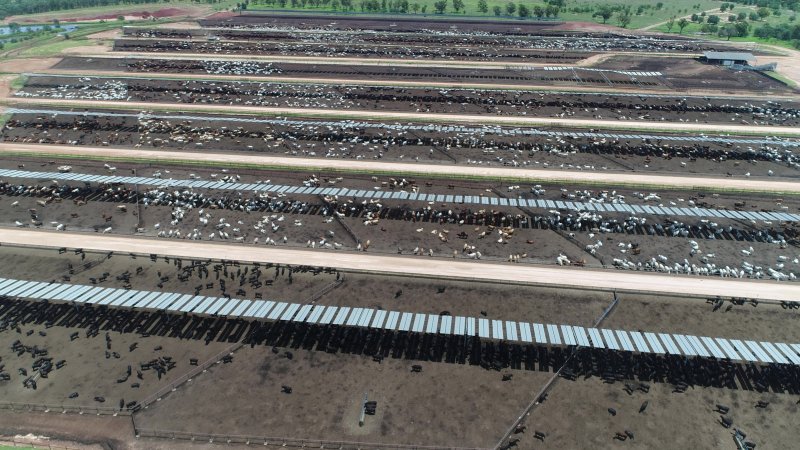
column 353, row 231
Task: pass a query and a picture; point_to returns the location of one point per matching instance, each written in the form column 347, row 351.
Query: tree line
column 550, row 10
column 17, row 7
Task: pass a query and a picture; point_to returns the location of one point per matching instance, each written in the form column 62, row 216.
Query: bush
column 709, row 28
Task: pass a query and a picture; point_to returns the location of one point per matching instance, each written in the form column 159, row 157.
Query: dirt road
column 680, row 285
column 532, row 175
column 423, row 117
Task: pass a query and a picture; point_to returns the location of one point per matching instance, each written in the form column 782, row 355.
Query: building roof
column 733, row 56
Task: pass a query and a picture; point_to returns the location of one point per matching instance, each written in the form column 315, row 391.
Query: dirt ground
column 469, row 391
column 188, row 25
column 5, row 85
column 670, row 420
column 108, row 34
column 95, row 47
column 687, row 73
column 23, row 65
column 473, row 405
column 788, row 66
column 88, row 372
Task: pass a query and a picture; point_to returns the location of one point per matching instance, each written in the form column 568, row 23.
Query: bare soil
column 474, row 405
column 23, row 65
column 670, row 419
column 460, row 397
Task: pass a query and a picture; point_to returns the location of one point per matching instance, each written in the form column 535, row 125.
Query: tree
column 458, row 5
column 604, row 12
column 682, row 24
column 538, row 11
column 483, row 6
column 523, row 11
column 763, row 13
column 723, row 7
column 670, row 23
column 624, row 18
column 742, row 29
column 440, row 6
column 497, row 10
column 764, row 32
column 415, row 7
column 709, row 28
column 511, row 8
column 754, row 16
column 742, row 15
column 727, row 31
column 713, row 20
column 695, row 17
column 424, row 9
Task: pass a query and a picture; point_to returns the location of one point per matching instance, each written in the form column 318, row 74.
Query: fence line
column 499, row 446
column 15, row 442
column 173, row 385
column 285, row 442
column 80, row 409
column 327, row 288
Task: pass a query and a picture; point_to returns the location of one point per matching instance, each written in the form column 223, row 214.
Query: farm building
column 728, row 58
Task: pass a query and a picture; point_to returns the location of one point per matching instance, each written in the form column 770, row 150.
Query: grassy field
column 781, row 78
column 785, row 19
column 51, row 45
column 119, row 9
column 18, row 83
column 649, row 16
column 53, row 48
column 574, row 10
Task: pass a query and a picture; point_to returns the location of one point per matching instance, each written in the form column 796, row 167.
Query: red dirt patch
column 165, row 12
